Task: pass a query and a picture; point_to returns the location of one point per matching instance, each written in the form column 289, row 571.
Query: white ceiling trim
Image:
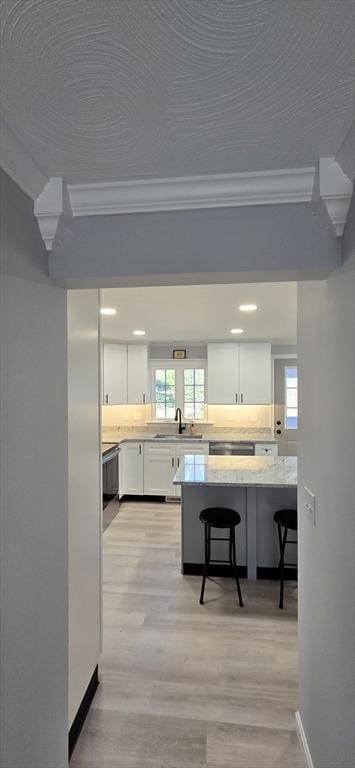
column 335, row 189
column 17, row 162
column 292, row 185
column 53, row 211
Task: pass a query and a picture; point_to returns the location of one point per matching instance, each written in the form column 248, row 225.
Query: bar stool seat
column 286, row 520
column 221, row 518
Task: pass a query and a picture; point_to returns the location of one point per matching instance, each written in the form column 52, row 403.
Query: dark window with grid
column 194, row 393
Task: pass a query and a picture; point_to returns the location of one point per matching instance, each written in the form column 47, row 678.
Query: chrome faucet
column 178, row 415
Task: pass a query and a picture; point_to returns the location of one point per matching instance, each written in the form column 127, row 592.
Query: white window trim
column 179, row 366
column 293, row 429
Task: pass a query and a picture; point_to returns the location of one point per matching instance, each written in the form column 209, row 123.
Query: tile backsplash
column 233, row 416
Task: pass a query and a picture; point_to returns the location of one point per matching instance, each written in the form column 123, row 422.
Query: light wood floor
column 184, row 685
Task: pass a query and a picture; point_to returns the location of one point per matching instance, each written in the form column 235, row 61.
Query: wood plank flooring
column 184, row 685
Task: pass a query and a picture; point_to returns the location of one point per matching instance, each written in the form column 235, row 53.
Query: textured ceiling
column 202, row 312
column 117, row 89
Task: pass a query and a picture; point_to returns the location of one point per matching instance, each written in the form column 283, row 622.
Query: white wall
column 33, row 496
column 85, row 524
column 326, row 358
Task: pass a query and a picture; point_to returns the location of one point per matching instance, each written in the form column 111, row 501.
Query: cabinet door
column 131, row 468
column 137, row 373
column 255, row 374
column 191, row 449
column 159, row 469
column 266, row 449
column 223, row 370
column 115, row 374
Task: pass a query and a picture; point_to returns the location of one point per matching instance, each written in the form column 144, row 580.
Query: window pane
column 199, row 375
column 160, row 411
column 291, row 398
column 189, row 394
column 199, row 410
column 188, row 376
column 164, row 393
column 170, row 411
column 189, row 411
column 170, row 377
column 199, row 394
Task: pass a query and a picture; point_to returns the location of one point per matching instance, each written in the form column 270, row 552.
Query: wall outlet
column 309, row 505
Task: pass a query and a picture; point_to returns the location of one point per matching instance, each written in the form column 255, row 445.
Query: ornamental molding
column 53, row 211
column 18, row 163
column 191, row 192
column 335, row 189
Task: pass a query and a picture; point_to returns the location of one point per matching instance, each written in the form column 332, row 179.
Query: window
column 179, row 386
column 291, row 400
column 165, row 393
column 194, row 393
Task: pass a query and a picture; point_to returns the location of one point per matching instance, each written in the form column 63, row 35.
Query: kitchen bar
column 256, row 486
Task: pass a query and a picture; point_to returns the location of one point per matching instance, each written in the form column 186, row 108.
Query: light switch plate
column 309, row 504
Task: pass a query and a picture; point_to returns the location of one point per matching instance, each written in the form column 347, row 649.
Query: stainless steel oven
column 110, row 469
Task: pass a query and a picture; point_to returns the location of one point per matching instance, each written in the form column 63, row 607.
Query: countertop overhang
column 256, row 471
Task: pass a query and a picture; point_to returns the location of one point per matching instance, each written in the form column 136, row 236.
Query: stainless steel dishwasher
column 218, row 448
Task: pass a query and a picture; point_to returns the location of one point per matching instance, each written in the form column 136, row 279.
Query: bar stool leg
column 233, row 563
column 283, row 541
column 207, row 560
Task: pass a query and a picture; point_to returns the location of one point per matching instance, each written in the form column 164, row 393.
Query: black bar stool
column 286, row 520
column 220, row 517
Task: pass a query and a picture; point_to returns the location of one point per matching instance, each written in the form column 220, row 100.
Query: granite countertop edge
column 206, row 438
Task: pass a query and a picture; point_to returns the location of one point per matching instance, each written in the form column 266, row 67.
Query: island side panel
column 268, row 500
column 194, row 498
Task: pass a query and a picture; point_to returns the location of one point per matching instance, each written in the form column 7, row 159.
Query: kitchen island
column 256, row 486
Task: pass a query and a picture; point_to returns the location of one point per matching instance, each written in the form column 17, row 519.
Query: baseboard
column 196, row 569
column 81, row 714
column 303, row 740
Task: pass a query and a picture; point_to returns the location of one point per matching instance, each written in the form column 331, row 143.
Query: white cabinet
column 195, row 449
column 114, row 374
column 159, row 469
column 239, row 374
column 255, row 374
column 223, row 372
column 137, row 374
column 161, row 462
column 266, row 449
column 131, row 468
column 125, row 374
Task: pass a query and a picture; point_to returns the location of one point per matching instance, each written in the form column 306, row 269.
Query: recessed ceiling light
column 139, row 333
column 248, row 307
column 236, row 330
column 108, row 311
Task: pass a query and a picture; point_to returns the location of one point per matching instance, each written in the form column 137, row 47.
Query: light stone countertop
column 120, row 436
column 257, row 471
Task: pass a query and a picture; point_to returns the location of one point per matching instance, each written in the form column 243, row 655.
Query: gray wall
column 34, row 467
column 326, row 358
column 266, row 242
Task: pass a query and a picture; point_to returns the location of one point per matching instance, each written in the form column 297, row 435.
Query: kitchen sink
column 175, row 436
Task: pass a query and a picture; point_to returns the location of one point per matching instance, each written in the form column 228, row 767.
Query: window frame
column 179, row 366
column 286, row 388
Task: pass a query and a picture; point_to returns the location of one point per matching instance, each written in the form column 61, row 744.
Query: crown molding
column 53, row 211
column 17, row 162
column 346, row 153
column 335, row 189
column 187, row 193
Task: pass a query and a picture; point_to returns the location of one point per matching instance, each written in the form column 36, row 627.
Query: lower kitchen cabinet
column 131, row 468
column 161, row 462
column 159, row 469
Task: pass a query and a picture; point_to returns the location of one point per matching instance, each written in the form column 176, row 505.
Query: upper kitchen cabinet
column 255, row 373
column 223, row 373
column 137, row 374
column 239, row 374
column 114, row 374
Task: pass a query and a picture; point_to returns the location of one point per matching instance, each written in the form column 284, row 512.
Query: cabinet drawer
column 266, row 449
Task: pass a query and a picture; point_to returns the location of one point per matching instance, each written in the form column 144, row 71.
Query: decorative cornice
column 53, row 212
column 220, row 191
column 17, row 162
column 335, row 189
